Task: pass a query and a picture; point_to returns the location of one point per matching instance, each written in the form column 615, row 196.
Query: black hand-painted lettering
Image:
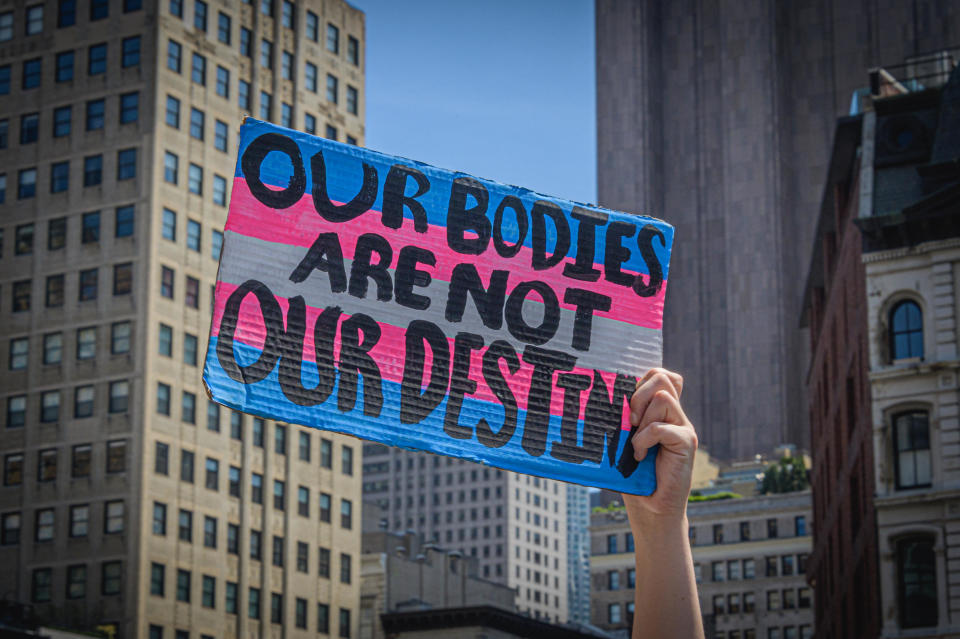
column 516, row 323
column 488, row 301
column 540, row 211
column 272, row 316
column 655, row 280
column 616, row 254
column 290, row 373
column 493, row 376
column 460, row 384
column 253, row 158
column 355, row 361
column 408, row 275
column 586, row 302
column 545, row 363
column 363, row 270
column 461, row 219
column 520, row 213
column 324, row 255
column 568, row 449
column 415, row 402
column 360, row 203
column 394, row 198
column 582, row 268
column 602, row 420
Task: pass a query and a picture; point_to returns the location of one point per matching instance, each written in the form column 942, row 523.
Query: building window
column 97, row 59
column 23, row 243
column 83, row 402
column 174, row 55
column 20, row 352
column 230, row 603
column 246, row 37
column 166, row 282
column 256, row 545
column 113, row 517
column 906, row 330
column 352, row 100
column 346, row 514
column 183, row 585
column 331, row 133
column 79, row 520
column 200, row 15
column 161, row 459
column 279, row 495
column 220, row 136
column 126, row 164
column 132, row 5
column 41, row 586
column 190, row 358
column 5, row 79
column 911, row 436
column 6, row 26
column 59, row 177
column 208, row 592
column 191, row 296
column 347, row 460
column 266, row 108
column 185, row 526
column 323, row 562
column 193, row 235
column 131, row 52
column 92, row 170
column 353, row 51
column 99, row 9
column 326, row 453
column 47, row 465
column 286, row 65
column 129, row 107
column 223, row 28
column 223, row 83
column 157, row 579
column 29, row 128
column 345, row 568
column 66, row 13
column 45, row 525
column 277, row 551
column 324, row 506
column 88, row 285
column 26, row 184
column 32, row 73
column 159, row 518
column 196, row 123
column 219, row 190
column 209, row 531
column 123, row 221
column 253, row 603
column 62, row 120
column 13, row 469
column 95, row 114
column 188, row 406
column 333, row 39
column 332, row 89
column 198, row 69
column 64, row 66
column 310, row 123
column 119, row 396
column 195, row 179
column 233, row 483
column 243, row 94
column 286, row 115
column 163, row 399
column 21, row 296
column 212, row 481
column 256, row 488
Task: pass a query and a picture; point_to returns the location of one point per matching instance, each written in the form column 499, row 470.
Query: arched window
column 916, row 582
column 911, row 438
column 906, row 330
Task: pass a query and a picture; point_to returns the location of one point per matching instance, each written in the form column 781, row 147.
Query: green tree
column 786, row 476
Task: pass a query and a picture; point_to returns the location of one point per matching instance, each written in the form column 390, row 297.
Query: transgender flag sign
column 427, row 309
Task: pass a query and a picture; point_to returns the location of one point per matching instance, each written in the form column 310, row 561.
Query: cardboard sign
column 417, row 307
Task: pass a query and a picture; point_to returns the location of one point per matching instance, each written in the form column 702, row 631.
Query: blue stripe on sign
column 344, row 176
column 265, row 399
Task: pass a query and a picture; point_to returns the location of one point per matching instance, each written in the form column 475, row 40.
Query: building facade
column 718, row 118
column 911, row 262
column 129, row 500
column 750, row 558
column 515, row 525
column 844, row 562
column 578, row 553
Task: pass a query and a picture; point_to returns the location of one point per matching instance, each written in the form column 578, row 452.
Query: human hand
column 656, row 413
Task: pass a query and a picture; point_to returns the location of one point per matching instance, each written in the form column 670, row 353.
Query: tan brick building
column 750, row 559
column 128, row 498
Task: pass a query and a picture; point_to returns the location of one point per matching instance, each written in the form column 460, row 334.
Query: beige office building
column 750, row 559
column 128, row 499
column 515, row 525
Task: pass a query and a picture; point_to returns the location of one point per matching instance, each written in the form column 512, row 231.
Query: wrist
column 652, row 525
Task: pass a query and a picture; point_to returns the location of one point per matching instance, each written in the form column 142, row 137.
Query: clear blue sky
column 501, row 89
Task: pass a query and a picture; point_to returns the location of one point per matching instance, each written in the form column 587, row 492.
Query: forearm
column 667, row 605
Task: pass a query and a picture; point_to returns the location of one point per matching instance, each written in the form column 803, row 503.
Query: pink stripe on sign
column 300, row 225
column 389, row 352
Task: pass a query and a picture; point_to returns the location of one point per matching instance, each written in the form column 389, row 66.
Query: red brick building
column 843, row 568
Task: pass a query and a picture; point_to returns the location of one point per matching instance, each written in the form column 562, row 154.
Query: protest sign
column 418, row 307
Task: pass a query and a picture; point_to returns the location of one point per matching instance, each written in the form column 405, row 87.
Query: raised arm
column 666, row 606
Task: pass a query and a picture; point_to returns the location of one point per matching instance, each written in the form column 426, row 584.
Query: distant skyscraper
column 718, row 118
column 516, row 525
column 128, row 499
column 578, row 553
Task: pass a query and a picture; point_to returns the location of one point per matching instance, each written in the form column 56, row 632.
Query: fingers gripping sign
column 658, row 420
